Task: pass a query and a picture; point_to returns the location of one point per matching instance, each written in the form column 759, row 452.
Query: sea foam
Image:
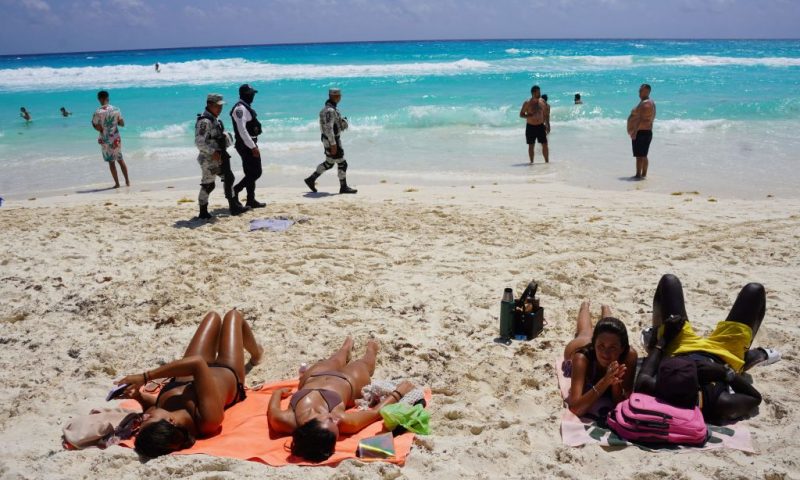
column 201, row 72
column 170, row 131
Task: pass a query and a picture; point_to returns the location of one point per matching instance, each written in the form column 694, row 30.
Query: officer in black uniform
column 247, row 128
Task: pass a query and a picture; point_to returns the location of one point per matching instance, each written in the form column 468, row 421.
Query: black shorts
column 641, row 144
column 535, row 132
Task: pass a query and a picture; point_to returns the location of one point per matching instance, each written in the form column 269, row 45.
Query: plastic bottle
column 507, row 314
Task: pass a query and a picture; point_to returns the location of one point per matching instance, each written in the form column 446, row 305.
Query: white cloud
column 39, row 11
column 193, row 11
column 133, row 12
column 36, row 5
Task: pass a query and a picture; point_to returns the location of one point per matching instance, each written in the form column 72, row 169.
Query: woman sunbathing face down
column 208, row 380
column 599, row 361
column 317, row 411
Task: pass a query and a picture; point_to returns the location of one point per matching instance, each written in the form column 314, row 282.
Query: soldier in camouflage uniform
column 214, row 160
column 331, row 124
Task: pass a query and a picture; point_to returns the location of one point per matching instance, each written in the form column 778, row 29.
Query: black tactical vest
column 253, row 126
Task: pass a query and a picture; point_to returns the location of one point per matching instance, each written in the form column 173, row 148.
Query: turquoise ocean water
column 436, row 112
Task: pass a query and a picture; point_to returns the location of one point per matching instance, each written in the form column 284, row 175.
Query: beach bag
column 645, row 419
column 101, row 428
column 413, row 418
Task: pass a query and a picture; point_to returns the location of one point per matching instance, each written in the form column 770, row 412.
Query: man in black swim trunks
column 536, row 113
column 640, row 129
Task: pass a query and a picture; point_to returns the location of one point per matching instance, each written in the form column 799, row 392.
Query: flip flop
column 772, row 357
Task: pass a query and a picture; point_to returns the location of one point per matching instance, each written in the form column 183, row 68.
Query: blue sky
column 39, row 26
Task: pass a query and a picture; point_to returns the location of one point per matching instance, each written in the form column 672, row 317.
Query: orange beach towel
column 245, row 434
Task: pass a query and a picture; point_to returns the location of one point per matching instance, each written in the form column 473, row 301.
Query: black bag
column 528, row 314
column 677, row 382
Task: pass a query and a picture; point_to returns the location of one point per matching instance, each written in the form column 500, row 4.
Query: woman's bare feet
column 348, row 346
column 605, row 311
column 373, row 346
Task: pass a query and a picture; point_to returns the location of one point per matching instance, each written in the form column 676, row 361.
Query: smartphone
column 116, row 392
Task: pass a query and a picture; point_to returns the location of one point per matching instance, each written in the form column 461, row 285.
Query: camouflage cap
column 335, row 91
column 215, row 98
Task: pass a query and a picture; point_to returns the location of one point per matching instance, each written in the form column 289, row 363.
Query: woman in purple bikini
column 316, row 414
column 600, row 363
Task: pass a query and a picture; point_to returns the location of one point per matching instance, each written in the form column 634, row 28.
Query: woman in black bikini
column 208, row 380
column 599, row 362
column 316, row 414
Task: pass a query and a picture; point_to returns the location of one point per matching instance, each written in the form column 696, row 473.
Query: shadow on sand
column 97, row 190
column 196, row 222
column 317, row 195
column 631, row 179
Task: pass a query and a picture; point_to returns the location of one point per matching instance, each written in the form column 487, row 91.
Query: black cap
column 247, row 89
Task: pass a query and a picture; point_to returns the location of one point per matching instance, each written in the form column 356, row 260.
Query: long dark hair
column 312, row 442
column 161, row 438
column 608, row 325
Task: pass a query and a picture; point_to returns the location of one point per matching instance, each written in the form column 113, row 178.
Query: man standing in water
column 210, row 139
column 247, row 129
column 536, row 113
column 332, row 124
column 106, row 120
column 640, row 129
column 25, row 114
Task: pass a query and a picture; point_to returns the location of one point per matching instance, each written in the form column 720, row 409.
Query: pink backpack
column 646, row 419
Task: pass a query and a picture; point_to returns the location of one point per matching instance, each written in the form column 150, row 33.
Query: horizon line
column 350, row 42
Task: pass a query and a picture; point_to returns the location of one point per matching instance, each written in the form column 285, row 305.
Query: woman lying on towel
column 600, row 363
column 720, row 358
column 316, row 414
column 208, row 380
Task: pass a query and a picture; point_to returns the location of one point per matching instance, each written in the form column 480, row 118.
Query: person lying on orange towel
column 316, row 415
column 208, row 380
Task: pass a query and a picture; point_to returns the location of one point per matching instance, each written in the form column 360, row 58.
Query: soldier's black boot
column 234, row 200
column 252, row 202
column 310, row 181
column 235, row 207
column 343, row 188
column 204, row 215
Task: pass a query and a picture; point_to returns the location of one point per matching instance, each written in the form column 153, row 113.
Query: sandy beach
column 98, row 286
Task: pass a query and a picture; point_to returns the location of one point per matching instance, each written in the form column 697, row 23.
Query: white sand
column 95, row 286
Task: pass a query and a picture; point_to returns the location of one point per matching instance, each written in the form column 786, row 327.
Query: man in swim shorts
column 536, row 113
column 720, row 358
column 640, row 129
column 106, row 120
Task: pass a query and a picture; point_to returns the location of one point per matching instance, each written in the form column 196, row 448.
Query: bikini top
column 173, row 384
column 331, row 398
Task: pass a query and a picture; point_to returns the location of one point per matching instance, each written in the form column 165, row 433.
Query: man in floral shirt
column 106, row 120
